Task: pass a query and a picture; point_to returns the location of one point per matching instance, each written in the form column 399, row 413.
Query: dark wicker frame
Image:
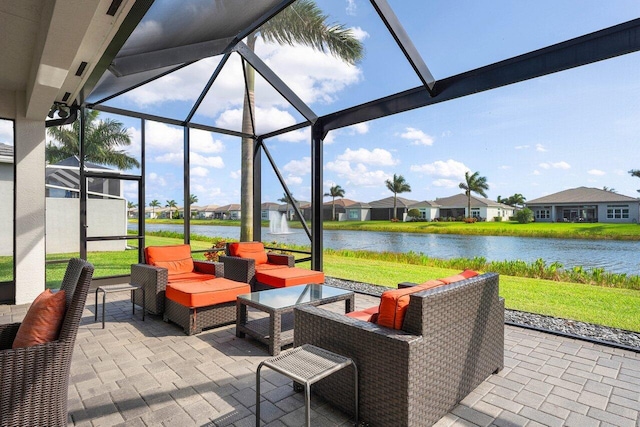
column 194, row 319
column 154, row 281
column 34, row 381
column 244, row 269
column 452, row 339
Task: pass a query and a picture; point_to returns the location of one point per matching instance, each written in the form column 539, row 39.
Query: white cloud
column 448, row 169
column 597, row 172
column 536, row 172
column 540, row 147
column 359, row 33
column 351, row 7
column 377, row 156
column 417, row 137
column 299, row 167
column 555, row 165
column 505, row 167
column 358, row 129
column 521, row 147
column 203, row 142
column 236, row 174
column 357, row 175
column 445, row 183
column 195, row 160
column 199, row 171
column 295, row 136
column 156, row 180
column 267, row 120
column 293, row 180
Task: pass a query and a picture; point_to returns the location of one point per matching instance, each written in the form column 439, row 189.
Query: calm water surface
column 613, row 256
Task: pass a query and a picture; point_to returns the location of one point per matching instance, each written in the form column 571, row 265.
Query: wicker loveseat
column 248, row 262
column 451, row 340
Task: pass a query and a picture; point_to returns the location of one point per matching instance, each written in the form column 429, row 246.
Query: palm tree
column 171, row 204
column 130, row 207
column 193, row 199
column 473, row 184
column 398, row 185
column 611, row 190
column 516, row 200
column 103, row 142
column 153, row 205
column 287, row 200
column 334, row 191
column 300, row 23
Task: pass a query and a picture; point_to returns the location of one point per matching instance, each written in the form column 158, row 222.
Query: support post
column 257, row 190
column 83, row 183
column 317, row 135
column 186, row 209
column 142, row 208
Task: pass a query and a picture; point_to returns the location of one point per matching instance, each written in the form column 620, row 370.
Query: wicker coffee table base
column 194, row 319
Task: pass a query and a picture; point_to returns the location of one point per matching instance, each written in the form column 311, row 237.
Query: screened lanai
column 208, row 40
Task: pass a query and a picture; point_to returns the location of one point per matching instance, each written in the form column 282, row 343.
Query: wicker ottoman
column 285, row 277
column 200, row 305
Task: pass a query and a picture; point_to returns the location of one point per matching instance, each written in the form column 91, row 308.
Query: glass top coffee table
column 276, row 329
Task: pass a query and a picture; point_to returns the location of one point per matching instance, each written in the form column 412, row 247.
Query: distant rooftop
column 582, row 195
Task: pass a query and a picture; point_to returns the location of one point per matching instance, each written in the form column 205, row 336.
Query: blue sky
column 570, row 129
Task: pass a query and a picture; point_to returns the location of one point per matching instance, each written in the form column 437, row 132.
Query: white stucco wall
column 6, row 208
column 104, row 218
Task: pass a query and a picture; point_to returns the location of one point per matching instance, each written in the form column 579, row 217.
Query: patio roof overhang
column 174, row 35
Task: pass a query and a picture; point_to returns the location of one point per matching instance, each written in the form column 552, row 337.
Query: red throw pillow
column 43, row 320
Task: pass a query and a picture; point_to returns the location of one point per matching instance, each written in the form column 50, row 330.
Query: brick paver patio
column 149, row 373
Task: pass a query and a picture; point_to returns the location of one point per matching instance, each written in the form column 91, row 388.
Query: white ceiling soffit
column 70, row 33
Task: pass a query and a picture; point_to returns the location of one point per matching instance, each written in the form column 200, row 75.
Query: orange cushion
column 190, row 277
column 368, row 315
column 264, row 267
column 204, row 294
column 393, row 304
column 253, row 250
column 467, row 274
column 284, row 277
column 43, row 320
column 176, row 259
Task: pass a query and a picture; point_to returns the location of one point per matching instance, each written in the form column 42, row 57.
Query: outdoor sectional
column 451, row 340
column 192, row 294
column 248, row 262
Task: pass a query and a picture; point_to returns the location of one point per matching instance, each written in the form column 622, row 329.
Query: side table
column 119, row 288
column 307, row 365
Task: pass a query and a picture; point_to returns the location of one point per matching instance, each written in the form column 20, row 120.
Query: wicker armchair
column 34, row 381
column 452, row 339
column 154, row 280
column 244, row 269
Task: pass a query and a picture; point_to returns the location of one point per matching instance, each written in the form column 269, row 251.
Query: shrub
column 497, row 218
column 413, row 214
column 470, row 220
column 524, row 216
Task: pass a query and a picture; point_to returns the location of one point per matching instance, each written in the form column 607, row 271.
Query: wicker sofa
column 451, row 340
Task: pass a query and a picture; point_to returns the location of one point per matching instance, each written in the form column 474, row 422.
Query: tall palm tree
column 153, row 205
column 288, row 201
column 612, row 190
column 396, row 186
column 300, row 23
column 334, row 191
column 473, row 184
column 103, row 142
column 130, row 207
column 171, row 204
column 193, row 199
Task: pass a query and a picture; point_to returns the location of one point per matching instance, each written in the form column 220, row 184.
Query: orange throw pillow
column 176, row 258
column 393, row 304
column 467, row 274
column 253, row 250
column 43, row 320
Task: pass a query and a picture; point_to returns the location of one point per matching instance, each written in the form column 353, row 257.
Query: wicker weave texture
column 154, row 281
column 194, row 320
column 35, row 380
column 452, row 340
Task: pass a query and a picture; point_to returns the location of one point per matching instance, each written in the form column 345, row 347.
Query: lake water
column 612, row 255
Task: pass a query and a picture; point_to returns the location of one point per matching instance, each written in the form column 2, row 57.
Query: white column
column 30, row 205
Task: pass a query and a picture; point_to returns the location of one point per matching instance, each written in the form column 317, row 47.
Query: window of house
column 543, row 214
column 475, row 212
column 618, row 211
column 353, row 214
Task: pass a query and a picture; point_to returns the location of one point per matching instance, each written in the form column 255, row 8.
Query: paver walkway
column 149, row 373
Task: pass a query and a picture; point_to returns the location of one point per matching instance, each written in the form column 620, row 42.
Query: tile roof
column 341, row 202
column 460, row 200
column 582, row 195
column 388, row 202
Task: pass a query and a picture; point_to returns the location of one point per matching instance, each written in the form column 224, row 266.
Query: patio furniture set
column 407, row 361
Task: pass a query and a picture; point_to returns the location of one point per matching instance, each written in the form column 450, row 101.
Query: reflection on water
column 614, row 256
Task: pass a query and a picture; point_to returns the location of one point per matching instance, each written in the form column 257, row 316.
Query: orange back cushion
column 176, row 259
column 253, row 250
column 43, row 320
column 393, row 304
column 467, row 274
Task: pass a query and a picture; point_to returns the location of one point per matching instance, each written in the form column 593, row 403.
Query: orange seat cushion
column 393, row 304
column 207, row 293
column 43, row 320
column 467, row 274
column 292, row 276
column 265, row 267
column 368, row 315
column 190, row 277
column 176, row 259
column 253, row 250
